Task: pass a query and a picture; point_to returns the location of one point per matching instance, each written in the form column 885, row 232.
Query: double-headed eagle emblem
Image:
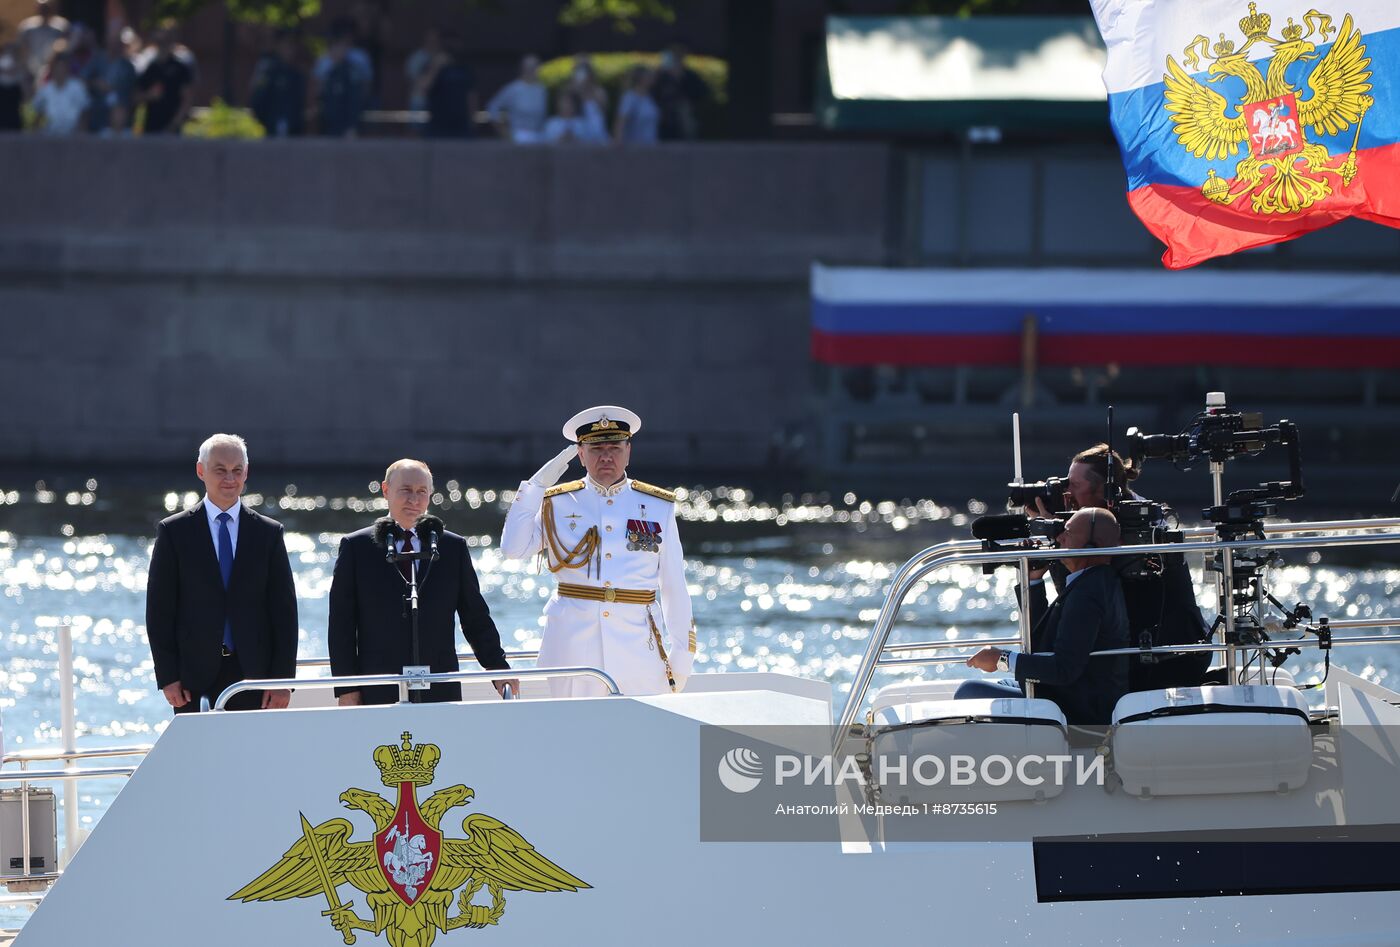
column 408, row 870
column 1283, row 172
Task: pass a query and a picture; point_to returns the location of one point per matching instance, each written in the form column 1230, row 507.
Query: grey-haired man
column 220, row 603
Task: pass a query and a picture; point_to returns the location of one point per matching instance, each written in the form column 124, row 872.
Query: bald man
column 1088, row 616
column 370, row 631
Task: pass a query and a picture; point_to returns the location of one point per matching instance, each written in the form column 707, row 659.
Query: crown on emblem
column 1223, row 48
column 1292, row 31
column 408, row 763
column 1256, row 25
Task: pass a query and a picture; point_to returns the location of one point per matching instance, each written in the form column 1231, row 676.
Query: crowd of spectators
column 70, row 84
column 656, row 105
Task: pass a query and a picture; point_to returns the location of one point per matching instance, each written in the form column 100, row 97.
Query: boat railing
column 324, row 661
column 23, row 886
column 880, row 654
column 407, row 681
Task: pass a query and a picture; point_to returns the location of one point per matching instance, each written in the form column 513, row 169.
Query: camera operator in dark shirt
column 1161, row 601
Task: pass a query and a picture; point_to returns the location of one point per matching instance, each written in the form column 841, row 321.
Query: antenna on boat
column 1016, row 444
column 1108, row 495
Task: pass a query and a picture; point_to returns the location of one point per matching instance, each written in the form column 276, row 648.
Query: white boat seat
column 893, row 703
column 1206, row 740
column 1005, row 726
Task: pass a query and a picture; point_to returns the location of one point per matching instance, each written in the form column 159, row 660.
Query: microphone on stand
column 386, row 534
column 429, row 529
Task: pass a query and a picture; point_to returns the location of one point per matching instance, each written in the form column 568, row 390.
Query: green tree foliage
column 274, row 13
column 612, row 69
column 221, row 120
column 978, row 7
column 622, row 14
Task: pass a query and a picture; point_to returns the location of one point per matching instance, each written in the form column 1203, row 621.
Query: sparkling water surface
column 792, row 585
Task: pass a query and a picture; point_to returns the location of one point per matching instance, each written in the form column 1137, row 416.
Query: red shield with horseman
column 1274, row 131
column 408, row 849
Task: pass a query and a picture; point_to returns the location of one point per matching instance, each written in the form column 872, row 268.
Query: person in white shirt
column 62, row 102
column 592, row 98
column 520, row 108
column 37, row 36
column 621, row 603
column 637, row 115
column 568, row 125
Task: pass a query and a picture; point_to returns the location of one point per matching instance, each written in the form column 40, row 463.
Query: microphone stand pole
column 414, row 696
column 396, row 557
column 429, row 555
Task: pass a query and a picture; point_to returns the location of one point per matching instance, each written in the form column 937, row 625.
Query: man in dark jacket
column 370, row 627
column 166, row 86
column 220, row 602
column 343, row 91
column 1088, row 616
column 1159, row 593
column 279, row 90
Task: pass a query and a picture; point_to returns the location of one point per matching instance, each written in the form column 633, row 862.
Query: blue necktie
column 226, row 570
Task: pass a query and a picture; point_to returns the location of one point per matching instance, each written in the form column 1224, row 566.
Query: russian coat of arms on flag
column 1243, row 126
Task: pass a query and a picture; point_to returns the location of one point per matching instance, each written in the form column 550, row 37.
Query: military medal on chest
column 643, row 535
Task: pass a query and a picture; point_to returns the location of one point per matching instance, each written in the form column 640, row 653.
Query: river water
column 790, row 584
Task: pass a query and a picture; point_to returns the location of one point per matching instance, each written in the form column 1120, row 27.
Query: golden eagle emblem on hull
column 1282, row 172
column 409, row 870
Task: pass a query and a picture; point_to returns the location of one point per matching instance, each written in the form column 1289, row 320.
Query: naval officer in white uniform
column 621, row 602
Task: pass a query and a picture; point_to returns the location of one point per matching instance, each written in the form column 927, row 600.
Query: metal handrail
column 60, row 775
column 33, row 756
column 31, row 898
column 1198, row 648
column 403, row 680
column 1314, row 526
column 324, row 662
column 25, row 776
column 970, row 552
column 1381, row 622
column 951, row 644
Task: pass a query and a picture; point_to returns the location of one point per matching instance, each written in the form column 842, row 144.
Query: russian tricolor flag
column 1249, row 123
column 867, row 316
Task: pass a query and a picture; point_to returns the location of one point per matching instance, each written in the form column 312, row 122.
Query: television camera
column 1219, row 435
column 1216, row 436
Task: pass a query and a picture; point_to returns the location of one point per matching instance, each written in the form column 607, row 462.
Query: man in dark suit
column 370, row 628
column 1088, row 616
column 1161, row 600
column 220, row 602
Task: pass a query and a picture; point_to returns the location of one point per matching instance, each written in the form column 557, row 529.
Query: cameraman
column 1161, row 603
column 1088, row 616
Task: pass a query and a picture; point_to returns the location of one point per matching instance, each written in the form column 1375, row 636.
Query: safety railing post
column 67, row 698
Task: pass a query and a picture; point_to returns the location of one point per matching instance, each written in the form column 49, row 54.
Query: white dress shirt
column 213, row 512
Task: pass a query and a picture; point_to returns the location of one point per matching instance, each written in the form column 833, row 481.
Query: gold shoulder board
column 569, row 487
column 648, row 489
